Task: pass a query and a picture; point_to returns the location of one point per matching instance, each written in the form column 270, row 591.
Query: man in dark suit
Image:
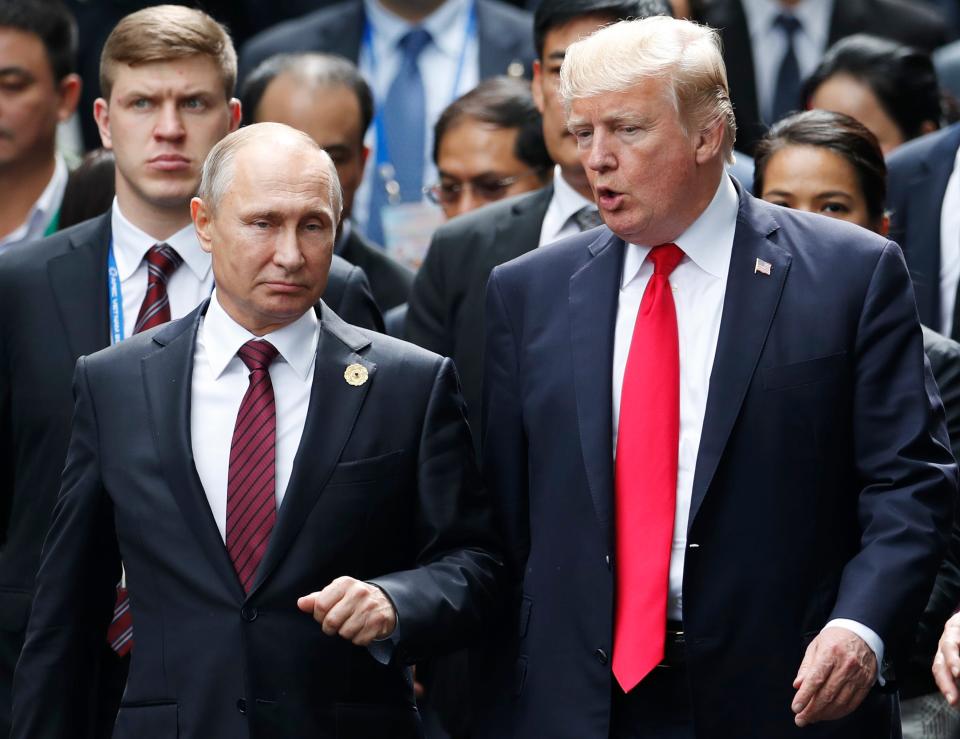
column 446, row 304
column 745, row 37
column 55, row 298
column 417, row 57
column 237, row 462
column 325, row 96
column 716, row 449
column 921, row 212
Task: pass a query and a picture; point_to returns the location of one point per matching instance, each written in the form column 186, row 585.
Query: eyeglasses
column 487, row 187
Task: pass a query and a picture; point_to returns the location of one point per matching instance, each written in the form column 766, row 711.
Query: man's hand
column 835, row 676
column 353, row 609
column 946, row 663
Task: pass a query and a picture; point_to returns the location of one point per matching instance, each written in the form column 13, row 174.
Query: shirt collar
column 814, row 17
column 130, row 245
column 566, row 200
column 390, row 28
column 708, row 241
column 41, row 213
column 296, row 342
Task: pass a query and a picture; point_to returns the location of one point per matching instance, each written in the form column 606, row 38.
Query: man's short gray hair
column 218, row 167
column 686, row 55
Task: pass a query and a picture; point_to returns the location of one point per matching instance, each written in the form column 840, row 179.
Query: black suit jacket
column 398, row 504
column 917, row 175
column 904, row 21
column 390, row 281
column 446, row 304
column 53, row 309
column 824, row 481
column 505, row 36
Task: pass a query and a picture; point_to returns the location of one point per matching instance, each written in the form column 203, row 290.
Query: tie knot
column 257, row 354
column 162, row 261
column 413, row 42
column 787, row 23
column 587, row 217
column 665, row 258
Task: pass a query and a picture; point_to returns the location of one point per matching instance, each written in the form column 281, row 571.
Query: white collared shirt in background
column 189, row 285
column 220, row 380
column 438, row 64
column 768, row 43
column 950, row 248
column 699, row 285
column 565, row 203
column 44, row 209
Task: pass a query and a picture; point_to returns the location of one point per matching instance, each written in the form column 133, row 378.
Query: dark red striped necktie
column 162, row 261
column 251, row 476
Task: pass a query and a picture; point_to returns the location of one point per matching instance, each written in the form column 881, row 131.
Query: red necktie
column 162, row 261
column 646, row 476
column 251, row 481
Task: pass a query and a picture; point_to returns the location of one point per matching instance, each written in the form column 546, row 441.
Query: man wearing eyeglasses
column 488, row 145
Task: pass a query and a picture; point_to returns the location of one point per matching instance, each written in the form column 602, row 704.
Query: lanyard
column 53, row 225
column 116, row 298
column 384, row 167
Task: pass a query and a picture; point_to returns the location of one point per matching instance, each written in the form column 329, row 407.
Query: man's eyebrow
column 15, row 70
column 557, row 56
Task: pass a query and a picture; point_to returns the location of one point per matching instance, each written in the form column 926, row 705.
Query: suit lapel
column 168, row 377
column 498, row 50
column 342, row 34
column 334, row 407
column 520, row 233
column 593, row 298
column 748, row 308
column 925, row 198
column 849, row 17
column 78, row 280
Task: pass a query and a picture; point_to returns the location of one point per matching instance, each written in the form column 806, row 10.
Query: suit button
column 601, row 656
column 242, row 706
column 609, row 560
column 248, row 613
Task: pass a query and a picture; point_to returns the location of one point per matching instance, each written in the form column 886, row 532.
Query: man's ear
column 236, row 114
column 710, row 142
column 201, row 222
column 101, row 114
column 69, row 89
column 535, row 85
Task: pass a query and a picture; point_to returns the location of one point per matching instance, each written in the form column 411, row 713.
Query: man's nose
column 170, row 122
column 288, row 253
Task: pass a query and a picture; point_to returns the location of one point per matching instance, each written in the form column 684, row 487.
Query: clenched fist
column 355, row 610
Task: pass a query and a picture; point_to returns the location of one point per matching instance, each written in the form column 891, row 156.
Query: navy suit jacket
column 53, row 309
column 824, row 481
column 917, row 174
column 398, row 504
column 505, row 36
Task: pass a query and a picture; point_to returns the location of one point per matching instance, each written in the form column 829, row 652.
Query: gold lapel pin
column 356, row 375
column 762, row 267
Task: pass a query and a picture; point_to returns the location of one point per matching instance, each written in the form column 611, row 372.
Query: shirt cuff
column 870, row 636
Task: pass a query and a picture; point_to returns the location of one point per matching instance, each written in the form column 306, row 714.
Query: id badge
column 407, row 230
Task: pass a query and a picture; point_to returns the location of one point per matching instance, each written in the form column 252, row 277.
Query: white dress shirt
column 438, row 63
column 220, row 380
column 188, row 286
column 43, row 210
column 950, row 248
column 768, row 43
column 566, row 202
column 699, row 285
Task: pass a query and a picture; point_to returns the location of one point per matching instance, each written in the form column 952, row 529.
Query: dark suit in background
column 396, row 504
column 911, row 23
column 917, row 175
column 390, row 281
column 447, row 301
column 824, row 482
column 503, row 33
column 53, row 309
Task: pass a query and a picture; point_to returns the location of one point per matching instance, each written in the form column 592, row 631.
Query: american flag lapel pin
column 762, row 267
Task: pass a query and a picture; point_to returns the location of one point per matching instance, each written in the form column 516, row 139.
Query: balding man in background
column 272, row 527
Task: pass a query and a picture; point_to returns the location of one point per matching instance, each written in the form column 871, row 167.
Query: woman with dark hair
column 828, row 163
column 890, row 88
